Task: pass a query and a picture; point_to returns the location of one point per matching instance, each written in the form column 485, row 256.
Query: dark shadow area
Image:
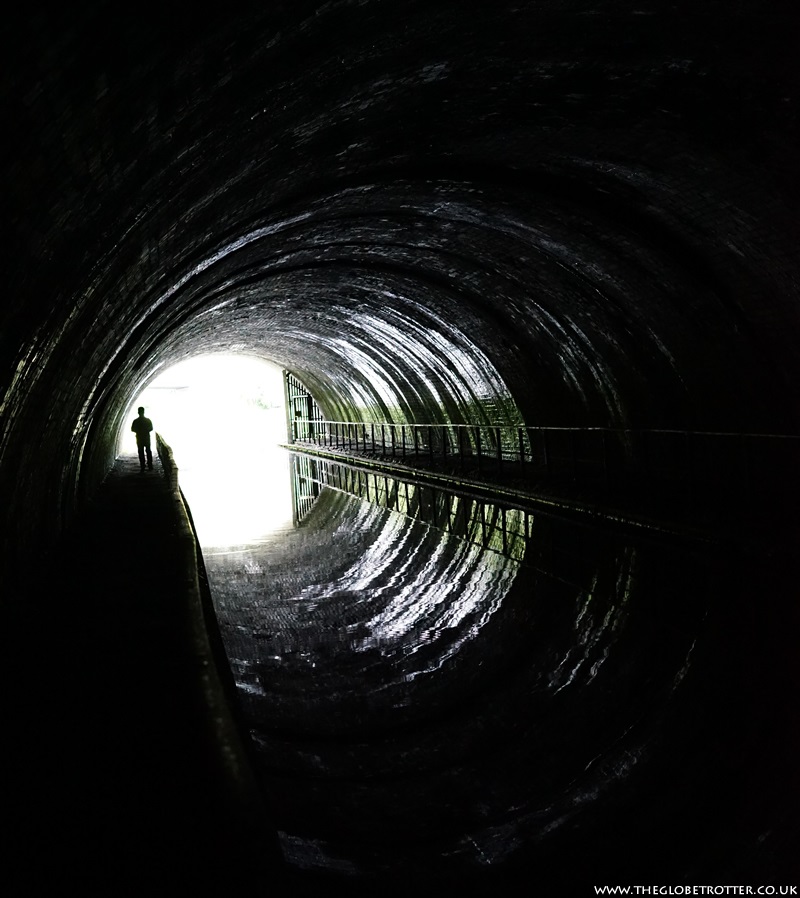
column 108, row 719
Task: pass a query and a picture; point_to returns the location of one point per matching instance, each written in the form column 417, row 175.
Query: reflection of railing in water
column 493, row 526
column 305, row 489
column 689, row 467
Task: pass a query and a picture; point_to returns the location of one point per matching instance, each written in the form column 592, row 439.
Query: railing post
column 644, row 449
column 478, row 447
column 747, row 471
column 572, row 457
column 691, row 473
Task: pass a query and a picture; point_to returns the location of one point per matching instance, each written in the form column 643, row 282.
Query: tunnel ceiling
column 573, row 213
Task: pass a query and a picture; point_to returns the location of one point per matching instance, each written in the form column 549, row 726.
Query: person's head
column 140, row 410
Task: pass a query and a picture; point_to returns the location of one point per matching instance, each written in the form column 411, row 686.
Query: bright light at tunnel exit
column 224, row 416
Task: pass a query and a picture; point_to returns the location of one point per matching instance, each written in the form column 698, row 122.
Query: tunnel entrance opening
column 224, row 417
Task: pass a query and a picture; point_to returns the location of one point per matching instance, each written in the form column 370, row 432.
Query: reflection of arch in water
column 358, row 590
column 372, row 647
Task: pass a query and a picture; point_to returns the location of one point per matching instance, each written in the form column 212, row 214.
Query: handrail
column 555, row 427
column 671, row 469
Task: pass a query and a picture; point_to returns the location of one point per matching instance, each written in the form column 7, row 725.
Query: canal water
column 435, row 683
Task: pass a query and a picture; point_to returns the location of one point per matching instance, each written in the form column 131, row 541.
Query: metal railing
column 671, row 468
column 434, row 441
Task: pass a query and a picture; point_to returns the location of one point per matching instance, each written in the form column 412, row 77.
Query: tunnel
column 554, row 215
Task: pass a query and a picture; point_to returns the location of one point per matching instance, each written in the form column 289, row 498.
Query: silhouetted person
column 142, row 427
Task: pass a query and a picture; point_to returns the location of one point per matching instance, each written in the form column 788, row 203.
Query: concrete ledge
column 575, row 509
column 239, row 791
